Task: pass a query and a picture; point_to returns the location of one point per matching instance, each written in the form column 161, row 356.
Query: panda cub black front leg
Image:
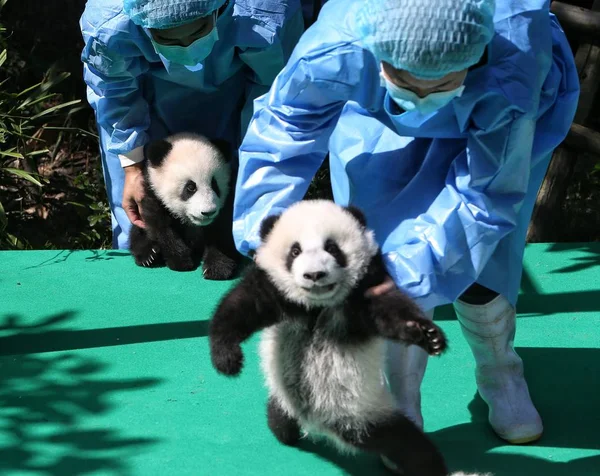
column 398, row 318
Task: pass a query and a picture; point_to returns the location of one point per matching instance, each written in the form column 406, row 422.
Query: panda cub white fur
column 322, row 349
column 187, row 207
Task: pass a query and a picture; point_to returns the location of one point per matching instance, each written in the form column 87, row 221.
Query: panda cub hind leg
column 397, row 439
column 145, row 252
column 217, row 265
column 284, row 427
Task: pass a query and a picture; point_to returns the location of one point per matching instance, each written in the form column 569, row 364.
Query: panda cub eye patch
column 334, row 250
column 294, row 252
column 215, row 187
column 189, row 190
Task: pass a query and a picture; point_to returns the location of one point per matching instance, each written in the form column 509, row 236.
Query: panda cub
column 323, row 346
column 187, row 207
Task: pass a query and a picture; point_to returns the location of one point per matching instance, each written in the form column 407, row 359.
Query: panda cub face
column 190, row 175
column 315, row 252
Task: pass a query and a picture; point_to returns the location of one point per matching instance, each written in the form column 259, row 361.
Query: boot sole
column 522, row 441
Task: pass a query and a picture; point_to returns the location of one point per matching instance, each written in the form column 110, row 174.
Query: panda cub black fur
column 187, row 207
column 322, row 349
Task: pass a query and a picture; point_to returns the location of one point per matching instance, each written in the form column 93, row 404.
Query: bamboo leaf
column 29, row 89
column 35, row 101
column 3, row 218
column 43, row 86
column 39, row 152
column 56, row 108
column 23, row 175
column 72, row 129
column 10, row 153
column 3, row 56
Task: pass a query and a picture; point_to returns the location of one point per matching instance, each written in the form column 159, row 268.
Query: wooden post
column 578, row 20
column 544, row 225
column 583, row 139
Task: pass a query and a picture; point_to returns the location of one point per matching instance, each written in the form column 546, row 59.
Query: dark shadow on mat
column 555, row 303
column 48, row 412
column 564, row 384
column 96, row 255
column 101, row 255
column 12, row 322
column 359, row 465
column 580, row 263
column 33, row 339
column 536, row 305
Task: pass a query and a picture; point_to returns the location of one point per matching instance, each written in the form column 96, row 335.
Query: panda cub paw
column 150, row 258
column 426, row 335
column 217, row 266
column 228, row 360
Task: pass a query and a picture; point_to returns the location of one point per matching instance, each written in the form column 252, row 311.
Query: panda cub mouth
column 319, row 290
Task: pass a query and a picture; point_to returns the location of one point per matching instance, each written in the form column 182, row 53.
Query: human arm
column 266, row 57
column 288, row 137
column 133, row 194
column 113, row 65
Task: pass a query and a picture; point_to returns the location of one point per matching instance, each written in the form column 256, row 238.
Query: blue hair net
column 427, row 38
column 168, row 13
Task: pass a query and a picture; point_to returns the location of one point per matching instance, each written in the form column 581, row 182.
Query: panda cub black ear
column 156, row 151
column 358, row 214
column 267, row 225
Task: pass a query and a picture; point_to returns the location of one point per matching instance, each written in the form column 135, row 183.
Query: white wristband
column 134, row 157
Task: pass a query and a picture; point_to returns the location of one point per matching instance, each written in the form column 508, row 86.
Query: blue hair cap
column 163, row 14
column 427, row 38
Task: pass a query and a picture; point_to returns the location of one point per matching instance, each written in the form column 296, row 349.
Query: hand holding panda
column 322, row 349
column 187, row 208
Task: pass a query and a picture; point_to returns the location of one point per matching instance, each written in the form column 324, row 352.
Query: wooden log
column 583, row 139
column 581, row 21
column 547, row 214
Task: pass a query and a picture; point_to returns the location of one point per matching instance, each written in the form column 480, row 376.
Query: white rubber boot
column 490, row 331
column 405, row 368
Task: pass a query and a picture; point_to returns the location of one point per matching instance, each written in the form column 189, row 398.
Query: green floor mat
column 104, row 369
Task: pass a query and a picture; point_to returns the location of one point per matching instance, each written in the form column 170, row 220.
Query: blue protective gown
column 449, row 195
column 138, row 95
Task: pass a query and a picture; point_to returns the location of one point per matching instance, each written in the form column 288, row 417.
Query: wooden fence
column 581, row 22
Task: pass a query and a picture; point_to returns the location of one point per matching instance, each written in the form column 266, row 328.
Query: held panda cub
column 187, row 207
column 322, row 349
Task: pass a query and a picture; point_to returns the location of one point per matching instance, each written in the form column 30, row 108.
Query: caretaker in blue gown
column 155, row 67
column 440, row 118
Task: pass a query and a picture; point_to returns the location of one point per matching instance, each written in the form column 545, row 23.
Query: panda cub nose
column 316, row 276
column 208, row 213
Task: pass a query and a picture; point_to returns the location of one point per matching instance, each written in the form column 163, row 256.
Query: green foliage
column 98, row 213
column 28, row 116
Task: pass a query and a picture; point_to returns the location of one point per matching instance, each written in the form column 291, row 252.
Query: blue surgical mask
column 410, row 101
column 192, row 54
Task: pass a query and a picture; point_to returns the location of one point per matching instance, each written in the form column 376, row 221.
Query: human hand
column 385, row 287
column 133, row 192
